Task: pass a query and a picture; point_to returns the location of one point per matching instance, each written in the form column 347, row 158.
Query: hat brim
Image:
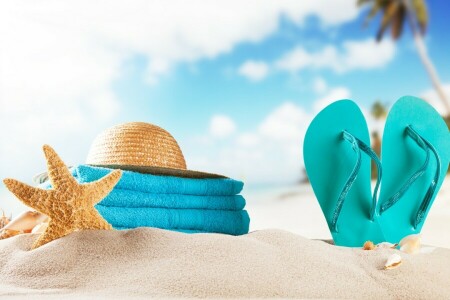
column 42, row 177
column 163, row 171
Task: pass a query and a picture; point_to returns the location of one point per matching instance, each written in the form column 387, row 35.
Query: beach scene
column 226, row 149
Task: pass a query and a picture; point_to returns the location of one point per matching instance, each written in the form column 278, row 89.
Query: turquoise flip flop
column 415, row 156
column 338, row 163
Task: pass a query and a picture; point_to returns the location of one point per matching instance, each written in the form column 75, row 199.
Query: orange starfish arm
column 102, row 187
column 59, row 174
column 94, row 220
column 33, row 197
column 52, row 232
column 70, row 205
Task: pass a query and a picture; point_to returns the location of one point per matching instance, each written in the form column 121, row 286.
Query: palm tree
column 379, row 112
column 397, row 13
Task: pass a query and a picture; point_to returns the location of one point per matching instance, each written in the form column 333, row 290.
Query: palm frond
column 397, row 23
column 421, row 12
column 395, row 14
column 388, row 14
column 376, row 7
column 363, row 2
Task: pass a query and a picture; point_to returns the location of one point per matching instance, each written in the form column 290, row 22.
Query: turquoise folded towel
column 220, row 221
column 128, row 198
column 154, row 184
column 172, row 203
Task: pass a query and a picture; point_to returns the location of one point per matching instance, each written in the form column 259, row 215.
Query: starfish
column 69, row 205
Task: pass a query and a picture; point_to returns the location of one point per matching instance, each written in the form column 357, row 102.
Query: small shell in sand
column 23, row 223
column 7, row 233
column 4, row 220
column 39, row 228
column 410, row 244
column 386, row 245
column 369, row 245
column 393, row 262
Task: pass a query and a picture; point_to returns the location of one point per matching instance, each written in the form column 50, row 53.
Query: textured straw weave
column 140, row 147
column 136, row 144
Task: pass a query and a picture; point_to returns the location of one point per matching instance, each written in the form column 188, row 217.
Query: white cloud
column 254, row 70
column 333, row 95
column 319, row 85
column 155, row 69
column 353, row 55
column 272, row 152
column 248, row 139
column 432, row 97
column 59, row 60
column 285, row 122
column 367, row 54
column 221, row 126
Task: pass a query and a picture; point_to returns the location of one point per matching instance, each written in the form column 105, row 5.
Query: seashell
column 4, row 220
column 39, row 228
column 410, row 244
column 7, row 233
column 368, row 245
column 393, row 262
column 26, row 221
column 387, row 245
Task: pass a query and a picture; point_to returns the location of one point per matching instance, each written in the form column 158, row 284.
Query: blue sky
column 193, row 91
column 212, row 85
column 236, row 83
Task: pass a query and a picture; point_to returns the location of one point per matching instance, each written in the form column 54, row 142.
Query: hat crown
column 136, row 144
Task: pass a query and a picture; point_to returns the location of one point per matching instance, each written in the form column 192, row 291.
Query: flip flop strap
column 357, row 146
column 420, row 216
column 427, row 147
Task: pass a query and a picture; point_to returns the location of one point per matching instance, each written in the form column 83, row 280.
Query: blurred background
column 235, row 82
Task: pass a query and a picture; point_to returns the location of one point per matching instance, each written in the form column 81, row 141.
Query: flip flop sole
column 329, row 160
column 401, row 157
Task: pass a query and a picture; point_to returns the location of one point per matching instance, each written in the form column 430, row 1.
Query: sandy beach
column 290, row 261
column 295, row 209
column 153, row 263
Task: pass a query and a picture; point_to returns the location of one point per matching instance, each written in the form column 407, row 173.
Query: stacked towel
column 128, row 198
column 221, row 221
column 155, row 184
column 173, row 203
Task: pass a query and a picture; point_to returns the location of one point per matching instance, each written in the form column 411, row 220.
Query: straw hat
column 139, row 147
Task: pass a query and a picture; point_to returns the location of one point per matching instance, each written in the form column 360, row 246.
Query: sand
column 146, row 262
column 296, row 209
